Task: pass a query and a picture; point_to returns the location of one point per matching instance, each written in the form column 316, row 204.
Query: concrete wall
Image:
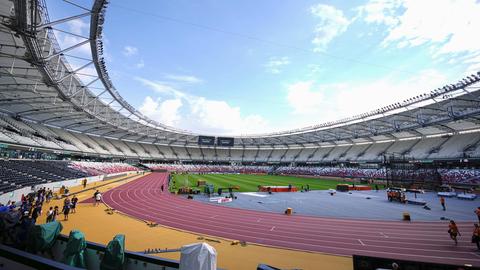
column 16, row 195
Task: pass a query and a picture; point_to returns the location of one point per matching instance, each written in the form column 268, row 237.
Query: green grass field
column 248, row 182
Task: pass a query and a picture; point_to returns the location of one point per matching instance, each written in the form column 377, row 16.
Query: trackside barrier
column 374, row 263
column 11, row 258
column 133, row 260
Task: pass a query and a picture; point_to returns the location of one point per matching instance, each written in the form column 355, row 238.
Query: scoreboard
column 219, row 141
column 206, row 140
column 224, row 141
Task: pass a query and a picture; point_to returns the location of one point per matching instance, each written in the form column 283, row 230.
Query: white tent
column 200, row 256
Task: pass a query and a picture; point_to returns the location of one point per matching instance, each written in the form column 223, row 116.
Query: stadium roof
column 38, row 84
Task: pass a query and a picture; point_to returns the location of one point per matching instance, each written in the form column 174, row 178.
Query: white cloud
column 161, row 87
column 77, row 27
column 303, row 99
column 220, row 117
column 313, row 104
column 192, row 112
column 129, row 51
column 448, row 27
column 166, row 112
column 332, row 23
column 183, row 78
column 380, row 11
column 275, row 64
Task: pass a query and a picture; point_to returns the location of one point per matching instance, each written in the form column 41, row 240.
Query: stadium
column 376, row 190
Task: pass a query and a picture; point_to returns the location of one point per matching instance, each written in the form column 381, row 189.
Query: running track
column 420, row 241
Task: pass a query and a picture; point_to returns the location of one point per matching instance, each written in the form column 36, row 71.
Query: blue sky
column 242, row 67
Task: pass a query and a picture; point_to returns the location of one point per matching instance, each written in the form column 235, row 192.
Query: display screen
column 223, row 141
column 206, row 140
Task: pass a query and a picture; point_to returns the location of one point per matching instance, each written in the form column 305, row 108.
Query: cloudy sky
column 240, row 67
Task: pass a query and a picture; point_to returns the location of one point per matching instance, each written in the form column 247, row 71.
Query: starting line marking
column 384, row 235
column 272, row 228
column 361, row 242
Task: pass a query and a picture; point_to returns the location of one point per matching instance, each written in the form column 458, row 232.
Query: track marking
column 214, row 216
column 384, row 235
column 475, row 254
column 361, row 242
column 272, row 228
column 258, row 220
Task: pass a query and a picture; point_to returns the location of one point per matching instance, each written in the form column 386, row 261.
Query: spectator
column 66, row 210
column 97, row 196
column 476, row 235
column 36, row 212
column 50, row 215
column 74, row 204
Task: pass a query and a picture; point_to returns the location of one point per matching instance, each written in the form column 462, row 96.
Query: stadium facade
column 48, row 105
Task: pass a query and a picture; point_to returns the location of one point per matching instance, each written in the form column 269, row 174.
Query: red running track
column 420, row 241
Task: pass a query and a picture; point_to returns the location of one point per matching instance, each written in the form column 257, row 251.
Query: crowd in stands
column 333, row 171
column 448, row 176
column 98, row 168
column 19, row 217
column 201, row 168
column 464, row 176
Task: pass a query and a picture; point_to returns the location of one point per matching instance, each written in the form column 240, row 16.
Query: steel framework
column 38, row 84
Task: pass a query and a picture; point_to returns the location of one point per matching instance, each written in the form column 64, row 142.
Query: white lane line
column 361, row 242
column 384, row 235
column 272, row 228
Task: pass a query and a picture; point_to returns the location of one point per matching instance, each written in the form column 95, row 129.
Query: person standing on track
column 477, row 211
column 453, row 231
column 476, row 236
column 442, row 202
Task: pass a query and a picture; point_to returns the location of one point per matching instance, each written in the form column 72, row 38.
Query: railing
column 11, row 258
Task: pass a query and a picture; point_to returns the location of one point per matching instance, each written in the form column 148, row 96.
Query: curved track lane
column 421, row 241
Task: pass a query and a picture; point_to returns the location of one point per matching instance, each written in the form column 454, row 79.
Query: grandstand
column 48, row 111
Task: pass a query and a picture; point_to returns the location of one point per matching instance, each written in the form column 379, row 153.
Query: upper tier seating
column 20, row 132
